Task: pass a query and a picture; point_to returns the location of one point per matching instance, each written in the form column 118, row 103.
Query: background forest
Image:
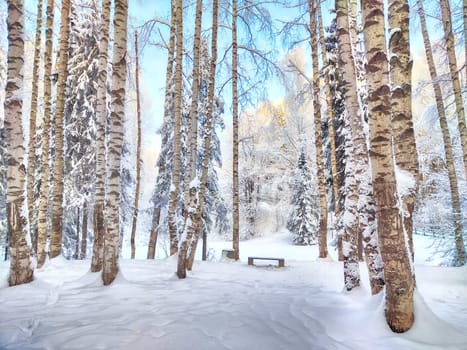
column 132, row 130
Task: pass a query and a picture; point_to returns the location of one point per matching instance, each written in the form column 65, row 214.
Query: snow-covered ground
column 227, row 305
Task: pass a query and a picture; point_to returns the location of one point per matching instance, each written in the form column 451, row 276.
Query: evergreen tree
column 214, row 206
column 80, row 132
column 303, row 222
column 163, row 178
column 160, row 197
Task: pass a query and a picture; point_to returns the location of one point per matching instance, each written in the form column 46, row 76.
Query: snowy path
column 221, row 306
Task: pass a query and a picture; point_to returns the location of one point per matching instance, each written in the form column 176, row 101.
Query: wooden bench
column 280, row 261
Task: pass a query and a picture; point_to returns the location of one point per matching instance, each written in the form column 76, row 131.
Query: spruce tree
column 80, row 117
column 303, row 222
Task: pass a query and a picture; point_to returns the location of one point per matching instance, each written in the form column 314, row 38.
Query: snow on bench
column 280, row 261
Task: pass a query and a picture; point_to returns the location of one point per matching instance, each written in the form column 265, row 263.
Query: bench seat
column 280, row 261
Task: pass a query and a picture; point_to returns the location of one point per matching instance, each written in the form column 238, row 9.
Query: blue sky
column 154, row 59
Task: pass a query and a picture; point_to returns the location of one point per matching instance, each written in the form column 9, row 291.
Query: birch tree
column 397, row 269
column 359, row 215
column 332, row 139
column 3, row 188
column 32, row 126
column 192, row 151
column 117, row 106
column 101, row 110
column 405, row 150
column 57, row 208
column 198, row 188
column 323, row 250
column 42, row 227
column 448, row 150
column 454, row 73
column 235, row 188
column 21, row 270
column 176, row 168
column 138, row 154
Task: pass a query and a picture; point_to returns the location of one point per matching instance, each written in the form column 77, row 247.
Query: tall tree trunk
column 42, row 226
column 397, row 269
column 117, row 107
column 405, row 150
column 138, row 154
column 190, row 172
column 323, row 217
column 236, row 215
column 32, row 127
column 449, row 37
column 332, row 138
column 448, row 151
column 175, row 187
column 354, row 151
column 21, row 270
column 359, row 205
column 101, row 111
column 167, row 112
column 192, row 154
column 195, row 226
column 84, row 230
column 57, row 207
column 78, row 223
column 367, row 205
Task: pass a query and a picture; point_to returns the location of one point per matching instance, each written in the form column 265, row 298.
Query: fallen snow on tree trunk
column 225, row 305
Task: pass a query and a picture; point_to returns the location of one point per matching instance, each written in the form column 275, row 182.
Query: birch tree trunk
column 175, row 187
column 323, row 217
column 84, row 230
column 449, row 37
column 57, row 207
column 236, row 213
column 32, row 126
column 101, row 110
column 21, row 270
column 138, row 154
column 359, row 205
column 167, row 111
column 332, row 139
column 42, row 226
column 354, row 153
column 405, row 150
column 192, row 154
column 117, row 106
column 397, row 269
column 190, row 173
column 366, row 206
column 449, row 153
column 195, row 225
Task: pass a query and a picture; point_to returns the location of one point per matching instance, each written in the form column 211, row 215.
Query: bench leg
column 281, row 263
column 250, row 261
